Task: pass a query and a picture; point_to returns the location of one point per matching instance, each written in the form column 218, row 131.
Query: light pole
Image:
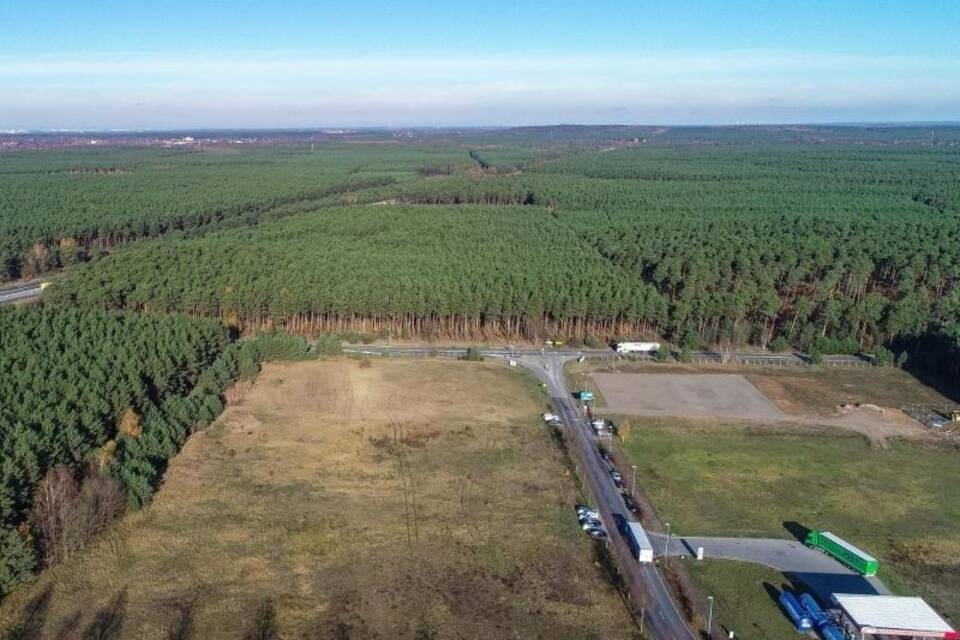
column 667, row 554
column 710, row 618
column 633, row 489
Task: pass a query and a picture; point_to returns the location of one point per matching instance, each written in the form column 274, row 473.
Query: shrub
column 281, row 346
column 815, row 356
column 780, row 344
column 473, row 354
column 328, row 344
column 883, row 357
column 68, row 514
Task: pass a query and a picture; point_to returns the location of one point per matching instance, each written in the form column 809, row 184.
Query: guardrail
column 700, row 357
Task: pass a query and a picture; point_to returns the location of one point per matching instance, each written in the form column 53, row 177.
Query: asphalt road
column 19, row 292
column 648, row 592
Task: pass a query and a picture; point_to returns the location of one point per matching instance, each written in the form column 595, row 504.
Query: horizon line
column 342, row 129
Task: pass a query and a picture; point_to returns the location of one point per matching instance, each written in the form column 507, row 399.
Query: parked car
column 588, row 515
column 597, row 534
column 585, row 511
column 616, row 477
column 590, row 523
column 630, row 503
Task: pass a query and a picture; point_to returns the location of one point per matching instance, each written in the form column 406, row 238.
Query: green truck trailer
column 844, row 552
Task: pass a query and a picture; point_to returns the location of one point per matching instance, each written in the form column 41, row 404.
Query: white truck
column 640, row 542
column 637, row 347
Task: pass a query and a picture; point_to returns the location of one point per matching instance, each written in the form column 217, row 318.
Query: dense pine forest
column 61, row 207
column 836, row 247
column 823, row 239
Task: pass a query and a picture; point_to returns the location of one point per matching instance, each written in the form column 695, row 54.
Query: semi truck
column 640, row 542
column 637, row 347
column 844, row 552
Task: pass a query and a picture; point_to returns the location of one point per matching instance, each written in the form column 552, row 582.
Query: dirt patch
column 669, row 394
column 878, row 424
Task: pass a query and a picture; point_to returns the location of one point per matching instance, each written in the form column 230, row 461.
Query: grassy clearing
column 391, row 499
column 742, row 600
column 901, row 503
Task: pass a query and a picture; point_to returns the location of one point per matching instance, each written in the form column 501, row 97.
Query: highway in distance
column 20, row 292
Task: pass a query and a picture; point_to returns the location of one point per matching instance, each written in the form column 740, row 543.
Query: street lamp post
column 667, row 554
column 710, row 618
column 633, row 489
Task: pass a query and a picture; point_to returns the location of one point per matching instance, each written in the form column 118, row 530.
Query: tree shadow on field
column 264, row 624
column 108, row 622
column 34, row 617
column 182, row 626
column 68, row 628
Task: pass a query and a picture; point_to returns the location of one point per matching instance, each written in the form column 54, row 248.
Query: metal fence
column 935, row 416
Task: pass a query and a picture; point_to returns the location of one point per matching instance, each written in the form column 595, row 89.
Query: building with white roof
column 872, row 615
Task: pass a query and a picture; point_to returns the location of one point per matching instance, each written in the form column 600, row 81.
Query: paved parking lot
column 806, row 568
column 687, row 395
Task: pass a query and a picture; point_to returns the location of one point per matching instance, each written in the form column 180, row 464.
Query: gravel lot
column 698, row 395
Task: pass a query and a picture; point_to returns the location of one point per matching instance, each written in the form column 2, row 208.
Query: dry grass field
column 347, row 499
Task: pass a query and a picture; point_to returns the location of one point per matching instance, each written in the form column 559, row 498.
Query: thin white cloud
column 306, row 89
column 240, row 63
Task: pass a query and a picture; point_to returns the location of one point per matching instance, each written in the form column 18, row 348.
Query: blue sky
column 111, row 64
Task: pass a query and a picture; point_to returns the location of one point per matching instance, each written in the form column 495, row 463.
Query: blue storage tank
column 813, row 609
column 831, row 632
column 796, row 613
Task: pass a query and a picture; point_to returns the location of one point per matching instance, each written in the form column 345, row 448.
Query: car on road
column 617, row 478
